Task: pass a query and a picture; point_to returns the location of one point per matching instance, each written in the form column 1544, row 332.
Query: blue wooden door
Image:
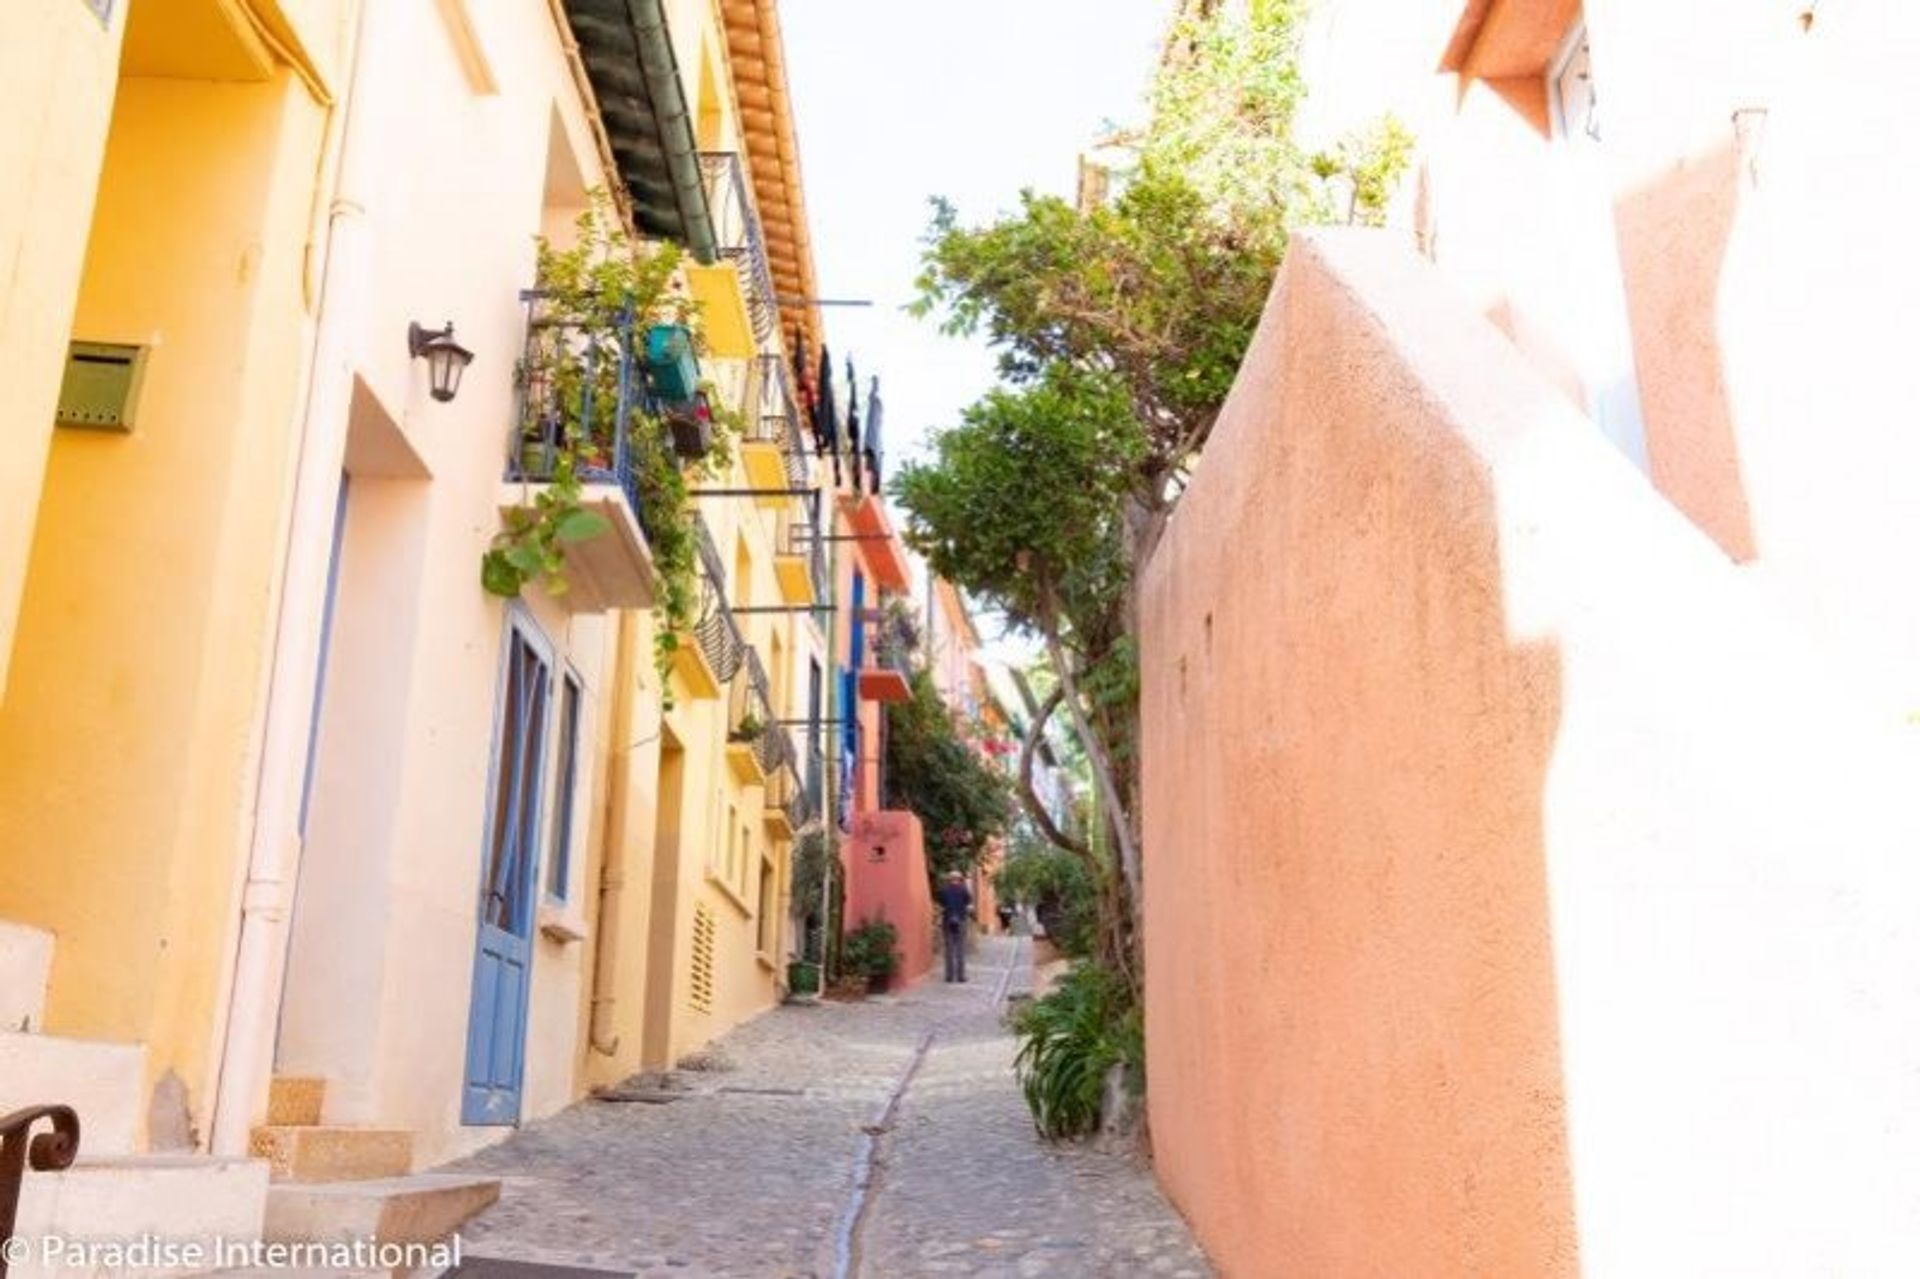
column 503, row 953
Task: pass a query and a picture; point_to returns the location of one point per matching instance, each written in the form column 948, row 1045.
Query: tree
column 1120, row 328
column 963, row 802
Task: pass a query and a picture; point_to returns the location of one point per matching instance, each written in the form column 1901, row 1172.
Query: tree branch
column 1028, row 798
column 1097, row 754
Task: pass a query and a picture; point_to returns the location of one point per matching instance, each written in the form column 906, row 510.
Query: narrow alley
column 755, row 1167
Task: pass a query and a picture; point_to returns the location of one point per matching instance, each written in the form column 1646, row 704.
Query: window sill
column 558, row 922
column 733, row 897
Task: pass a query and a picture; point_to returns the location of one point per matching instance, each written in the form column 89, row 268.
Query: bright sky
column 897, row 101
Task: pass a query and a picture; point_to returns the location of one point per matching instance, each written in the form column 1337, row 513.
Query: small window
column 560, row 858
column 1575, row 105
column 733, row 847
column 766, row 924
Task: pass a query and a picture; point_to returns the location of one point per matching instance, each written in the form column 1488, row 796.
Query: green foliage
column 1148, row 292
column 1120, row 328
column 1070, row 1039
column 813, row 861
column 962, row 801
column 533, row 539
column 588, row 292
column 871, row 950
column 1223, row 108
column 1029, row 484
column 1060, row 888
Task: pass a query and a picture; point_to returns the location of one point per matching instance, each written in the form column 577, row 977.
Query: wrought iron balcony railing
column 737, row 236
column 581, row 384
column 787, row 795
column 802, row 537
column 773, row 416
column 750, row 706
column 717, row 631
column 892, row 653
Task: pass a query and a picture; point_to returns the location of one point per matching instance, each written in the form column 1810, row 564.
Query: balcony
column 771, row 448
column 707, row 658
column 581, row 388
column 880, row 548
column 887, row 676
column 788, row 807
column 756, row 745
column 800, row 562
column 738, row 240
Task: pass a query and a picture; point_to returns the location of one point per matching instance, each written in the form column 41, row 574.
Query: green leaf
column 580, row 525
column 499, row 576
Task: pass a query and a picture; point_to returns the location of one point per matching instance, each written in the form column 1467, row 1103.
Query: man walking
column 956, row 912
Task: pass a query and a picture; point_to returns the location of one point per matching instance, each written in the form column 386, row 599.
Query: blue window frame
column 857, row 641
column 815, row 747
column 560, row 856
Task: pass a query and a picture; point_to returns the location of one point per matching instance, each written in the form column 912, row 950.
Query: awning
column 636, row 84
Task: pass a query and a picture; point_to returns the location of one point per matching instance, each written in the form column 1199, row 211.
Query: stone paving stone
column 750, row 1173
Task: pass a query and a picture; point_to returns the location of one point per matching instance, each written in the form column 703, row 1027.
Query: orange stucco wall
column 886, row 862
column 1526, row 895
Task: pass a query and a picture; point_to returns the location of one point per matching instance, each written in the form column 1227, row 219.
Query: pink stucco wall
column 1526, row 893
column 886, row 863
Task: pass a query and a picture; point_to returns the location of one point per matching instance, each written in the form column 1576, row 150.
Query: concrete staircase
column 114, row 1190
column 308, row 1181
column 334, row 1182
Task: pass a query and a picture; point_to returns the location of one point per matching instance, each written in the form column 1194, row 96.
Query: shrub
column 869, row 950
column 1070, row 1039
column 1059, row 887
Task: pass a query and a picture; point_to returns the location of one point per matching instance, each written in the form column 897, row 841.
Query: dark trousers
column 953, row 935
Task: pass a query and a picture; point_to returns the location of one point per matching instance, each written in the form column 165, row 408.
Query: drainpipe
column 660, row 71
column 613, row 867
column 245, row 1052
column 829, row 821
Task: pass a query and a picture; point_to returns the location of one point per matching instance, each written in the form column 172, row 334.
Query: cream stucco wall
column 395, row 835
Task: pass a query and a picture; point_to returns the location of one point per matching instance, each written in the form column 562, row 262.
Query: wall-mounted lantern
column 446, row 358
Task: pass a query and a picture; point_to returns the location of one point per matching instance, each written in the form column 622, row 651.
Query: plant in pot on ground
column 871, row 950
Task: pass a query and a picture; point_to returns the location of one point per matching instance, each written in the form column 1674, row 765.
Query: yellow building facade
column 175, row 179
column 327, row 855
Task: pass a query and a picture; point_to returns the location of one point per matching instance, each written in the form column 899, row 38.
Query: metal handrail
column 716, row 630
column 738, row 236
column 21, row 1149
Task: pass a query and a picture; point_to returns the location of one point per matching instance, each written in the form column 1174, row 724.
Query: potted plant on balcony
column 597, row 309
column 747, row 730
column 692, row 427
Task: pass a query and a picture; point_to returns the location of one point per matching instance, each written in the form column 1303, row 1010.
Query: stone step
column 174, row 1201
column 294, row 1101
column 418, row 1209
column 308, row 1152
column 103, row 1083
column 26, row 954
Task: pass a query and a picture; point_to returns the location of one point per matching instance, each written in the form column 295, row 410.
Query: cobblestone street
column 759, row 1167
